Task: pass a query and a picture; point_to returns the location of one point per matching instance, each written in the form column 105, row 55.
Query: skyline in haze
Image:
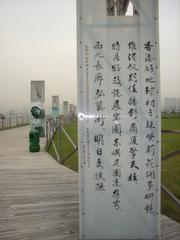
column 38, row 42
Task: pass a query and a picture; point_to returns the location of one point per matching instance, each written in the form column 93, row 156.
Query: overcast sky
column 38, row 42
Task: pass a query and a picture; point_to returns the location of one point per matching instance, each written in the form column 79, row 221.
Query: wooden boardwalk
column 39, row 197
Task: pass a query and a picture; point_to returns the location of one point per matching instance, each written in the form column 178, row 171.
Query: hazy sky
column 38, row 42
column 170, row 47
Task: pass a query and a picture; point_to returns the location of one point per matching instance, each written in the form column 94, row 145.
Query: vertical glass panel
column 55, row 106
column 65, row 108
column 119, row 120
column 38, row 106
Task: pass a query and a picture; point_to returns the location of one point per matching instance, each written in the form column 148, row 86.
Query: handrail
column 54, row 126
column 69, row 138
column 13, row 121
column 171, row 195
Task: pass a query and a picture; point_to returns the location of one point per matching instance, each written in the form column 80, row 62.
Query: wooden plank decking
column 39, row 197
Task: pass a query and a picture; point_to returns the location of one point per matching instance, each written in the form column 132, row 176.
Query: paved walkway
column 39, row 197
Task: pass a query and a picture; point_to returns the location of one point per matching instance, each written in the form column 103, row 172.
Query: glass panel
column 119, row 122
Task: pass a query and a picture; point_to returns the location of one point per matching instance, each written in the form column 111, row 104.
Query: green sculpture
column 34, row 145
column 37, row 112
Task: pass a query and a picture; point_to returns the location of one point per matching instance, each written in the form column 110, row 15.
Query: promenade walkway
column 39, row 197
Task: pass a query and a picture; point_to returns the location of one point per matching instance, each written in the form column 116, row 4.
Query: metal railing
column 14, row 121
column 54, row 128
column 171, row 195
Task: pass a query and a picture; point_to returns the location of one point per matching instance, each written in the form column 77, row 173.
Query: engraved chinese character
column 116, row 203
column 150, row 174
column 117, row 80
column 116, row 193
column 150, row 80
column 150, row 112
column 132, row 46
column 98, row 45
column 133, row 165
column 150, row 149
column 133, row 128
column 133, row 113
column 148, row 57
column 99, row 151
column 148, row 46
column 116, row 56
column 116, row 46
column 117, row 173
column 132, row 152
column 116, row 93
column 99, row 176
column 98, row 78
column 116, row 68
column 149, row 68
column 133, row 77
column 100, row 120
column 133, row 140
column 99, row 139
column 99, row 106
column 100, row 187
column 99, row 93
column 116, row 116
column 150, row 90
column 149, row 185
column 132, row 67
column 98, row 65
column 150, row 124
column 150, row 103
column 132, row 178
column 116, row 163
column 150, row 163
column 149, row 196
column 150, row 136
column 116, row 182
column 132, row 101
column 132, row 89
column 99, row 54
column 149, row 209
column 116, row 142
column 99, row 163
column 116, row 152
column 132, row 56
column 116, row 128
column 116, row 105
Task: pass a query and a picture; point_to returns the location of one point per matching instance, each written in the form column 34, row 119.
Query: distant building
column 74, row 109
column 172, row 104
column 55, row 106
column 70, row 108
column 65, row 108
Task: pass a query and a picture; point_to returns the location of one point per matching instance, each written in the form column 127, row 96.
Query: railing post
column 10, row 122
column 59, row 134
column 47, row 134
